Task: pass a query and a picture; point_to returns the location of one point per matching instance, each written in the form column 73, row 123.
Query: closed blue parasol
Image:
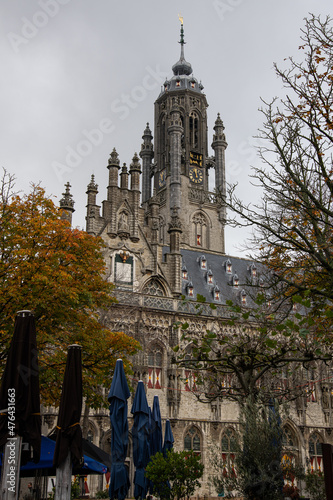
column 156, row 437
column 140, row 436
column 168, row 438
column 118, row 395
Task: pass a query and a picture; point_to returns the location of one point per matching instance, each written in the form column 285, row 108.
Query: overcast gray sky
column 80, row 77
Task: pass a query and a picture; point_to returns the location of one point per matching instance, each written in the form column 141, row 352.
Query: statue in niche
column 331, row 397
column 325, row 398
column 171, row 387
column 123, row 221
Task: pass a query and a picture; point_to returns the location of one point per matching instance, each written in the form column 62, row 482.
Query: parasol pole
column 64, row 479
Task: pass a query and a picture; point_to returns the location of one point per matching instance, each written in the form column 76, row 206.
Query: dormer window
column 192, row 84
column 235, row 281
column 178, row 83
column 228, row 267
column 261, row 282
column 190, row 289
column 253, row 271
column 203, row 262
column 184, row 273
column 210, row 277
column 216, row 293
column 243, row 297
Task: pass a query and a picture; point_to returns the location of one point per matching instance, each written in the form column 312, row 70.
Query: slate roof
column 225, row 271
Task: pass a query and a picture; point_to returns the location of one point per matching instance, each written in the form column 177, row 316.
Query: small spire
column 135, row 165
column 218, row 120
column 92, row 186
column 114, row 158
column 147, row 132
column 67, row 202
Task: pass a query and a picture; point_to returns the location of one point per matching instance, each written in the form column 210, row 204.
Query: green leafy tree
column 315, row 484
column 248, row 356
column 257, row 474
column 176, row 475
column 58, row 273
column 292, row 239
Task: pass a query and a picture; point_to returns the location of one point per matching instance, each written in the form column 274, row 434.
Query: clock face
column 161, row 178
column 196, row 175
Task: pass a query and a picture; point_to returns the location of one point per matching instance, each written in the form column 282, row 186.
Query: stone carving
column 123, row 222
column 325, row 398
column 202, row 197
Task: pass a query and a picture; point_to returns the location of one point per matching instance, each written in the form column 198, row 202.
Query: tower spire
column 182, row 41
column 182, row 67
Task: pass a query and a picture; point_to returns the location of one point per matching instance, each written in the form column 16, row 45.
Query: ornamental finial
column 182, row 42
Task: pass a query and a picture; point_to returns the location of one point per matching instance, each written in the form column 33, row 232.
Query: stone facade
column 167, row 243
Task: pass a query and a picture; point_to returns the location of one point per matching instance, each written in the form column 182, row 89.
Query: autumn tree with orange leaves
column 57, row 272
column 293, row 223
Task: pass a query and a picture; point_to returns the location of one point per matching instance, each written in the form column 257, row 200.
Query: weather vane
column 180, row 18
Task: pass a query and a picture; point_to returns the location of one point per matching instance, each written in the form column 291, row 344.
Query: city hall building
column 164, row 234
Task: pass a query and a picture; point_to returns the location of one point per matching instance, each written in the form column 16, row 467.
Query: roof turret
column 182, row 72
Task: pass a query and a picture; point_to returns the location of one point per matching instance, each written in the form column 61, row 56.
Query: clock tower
column 180, row 174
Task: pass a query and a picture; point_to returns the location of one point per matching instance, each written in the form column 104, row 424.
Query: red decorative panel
column 157, row 383
column 150, row 374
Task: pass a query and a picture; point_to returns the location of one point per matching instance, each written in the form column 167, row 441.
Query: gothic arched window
column 200, row 230
column 163, row 141
column 153, row 287
column 315, row 453
column 192, row 440
column 90, row 436
column 155, row 358
column 228, row 449
column 106, row 442
column 310, row 375
column 190, row 376
column 194, row 130
column 290, row 446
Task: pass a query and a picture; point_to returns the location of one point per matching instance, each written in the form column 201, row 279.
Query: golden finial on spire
column 180, row 18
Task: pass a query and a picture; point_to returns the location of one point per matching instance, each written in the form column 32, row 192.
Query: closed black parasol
column 19, row 392
column 69, row 434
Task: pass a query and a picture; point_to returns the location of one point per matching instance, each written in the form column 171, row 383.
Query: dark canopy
column 22, row 374
column 69, row 434
column 140, row 437
column 168, row 438
column 156, row 438
column 118, row 396
column 45, row 464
